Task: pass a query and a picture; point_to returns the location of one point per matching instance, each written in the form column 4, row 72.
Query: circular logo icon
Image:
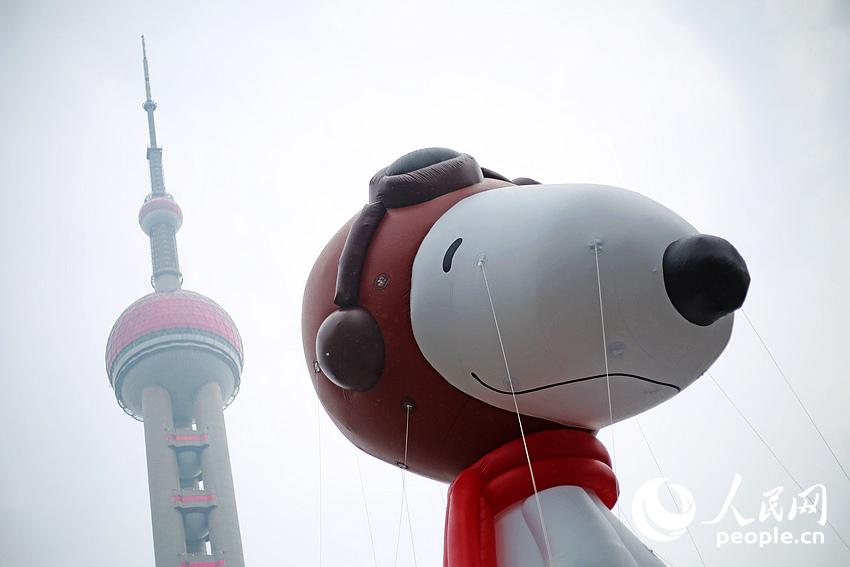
column 655, row 521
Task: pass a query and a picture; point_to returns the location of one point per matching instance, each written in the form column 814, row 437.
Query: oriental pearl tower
column 174, row 359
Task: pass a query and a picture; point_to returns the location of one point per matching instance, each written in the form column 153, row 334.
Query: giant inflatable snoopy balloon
column 458, row 301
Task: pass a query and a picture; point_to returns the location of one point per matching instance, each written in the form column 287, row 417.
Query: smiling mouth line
column 573, row 381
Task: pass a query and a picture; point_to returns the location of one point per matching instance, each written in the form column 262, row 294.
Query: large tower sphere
column 179, row 340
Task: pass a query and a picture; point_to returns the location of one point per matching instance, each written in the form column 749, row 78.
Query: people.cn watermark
column 658, row 523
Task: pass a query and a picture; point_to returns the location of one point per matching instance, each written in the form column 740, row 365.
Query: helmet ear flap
column 350, row 349
column 349, row 343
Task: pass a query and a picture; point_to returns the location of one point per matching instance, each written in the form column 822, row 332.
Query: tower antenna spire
column 147, row 75
column 160, row 216
column 149, row 104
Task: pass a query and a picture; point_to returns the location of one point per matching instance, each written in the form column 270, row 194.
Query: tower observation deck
column 174, row 360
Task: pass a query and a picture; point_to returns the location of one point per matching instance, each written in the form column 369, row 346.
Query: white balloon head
column 558, row 260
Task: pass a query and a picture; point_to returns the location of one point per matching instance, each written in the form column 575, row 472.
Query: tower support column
column 224, row 536
column 163, row 478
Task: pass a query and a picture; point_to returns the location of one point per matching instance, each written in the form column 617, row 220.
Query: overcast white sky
column 274, row 115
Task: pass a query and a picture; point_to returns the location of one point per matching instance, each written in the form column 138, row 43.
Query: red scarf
column 563, row 457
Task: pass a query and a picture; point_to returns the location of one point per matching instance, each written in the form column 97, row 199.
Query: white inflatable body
column 582, row 533
column 538, row 248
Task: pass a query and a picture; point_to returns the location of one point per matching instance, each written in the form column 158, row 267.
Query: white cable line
column 659, row 556
column 669, row 490
column 607, row 374
column 319, row 435
column 608, row 385
column 409, row 523
column 406, row 431
column 400, row 517
column 365, row 506
column 442, row 496
column 481, row 262
column 406, row 502
column 775, row 456
column 796, row 395
column 652, row 551
column 405, row 505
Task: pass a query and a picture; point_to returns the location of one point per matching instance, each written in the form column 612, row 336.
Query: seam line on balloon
column 573, row 381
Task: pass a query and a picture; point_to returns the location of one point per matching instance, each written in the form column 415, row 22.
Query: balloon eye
column 450, row 254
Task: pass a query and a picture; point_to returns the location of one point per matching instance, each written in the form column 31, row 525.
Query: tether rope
column 607, row 373
column 481, row 264
column 669, row 490
column 405, row 505
column 400, row 518
column 775, row 456
column 652, row 551
column 442, row 496
column 365, row 506
column 608, row 385
column 319, row 435
column 796, row 395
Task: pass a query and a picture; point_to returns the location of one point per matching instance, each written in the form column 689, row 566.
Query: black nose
column 705, row 278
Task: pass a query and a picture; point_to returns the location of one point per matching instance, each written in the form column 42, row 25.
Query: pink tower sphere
column 178, row 339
